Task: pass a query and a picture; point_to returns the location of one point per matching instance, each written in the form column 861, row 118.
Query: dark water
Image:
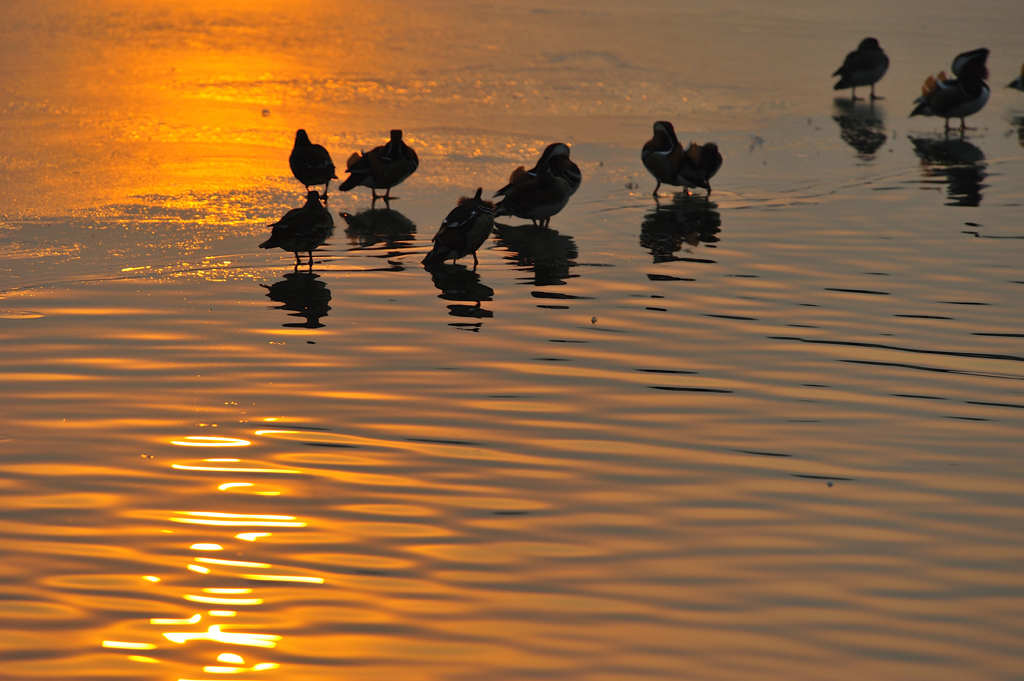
column 775, row 434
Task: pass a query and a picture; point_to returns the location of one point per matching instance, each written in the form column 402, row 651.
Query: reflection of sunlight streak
column 252, row 536
column 222, row 613
column 129, row 645
column 199, row 568
column 211, row 441
column 285, row 578
column 262, row 666
column 143, row 658
column 151, row 578
column 176, row 620
column 223, row 487
column 206, row 547
column 214, row 633
column 236, row 519
column 231, row 563
column 215, row 600
column 220, row 590
column 230, row 658
column 228, row 469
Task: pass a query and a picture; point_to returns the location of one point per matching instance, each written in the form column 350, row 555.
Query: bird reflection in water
column 1018, row 122
column 861, row 125
column 687, row 220
column 304, row 295
column 955, row 162
column 541, row 250
column 456, row 283
column 380, row 229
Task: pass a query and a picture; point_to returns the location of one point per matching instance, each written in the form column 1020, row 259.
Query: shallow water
column 774, row 434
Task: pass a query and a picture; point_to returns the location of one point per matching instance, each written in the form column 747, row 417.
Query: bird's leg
column 655, row 192
column 853, row 94
column 311, row 261
column 475, row 261
column 873, row 95
column 708, row 197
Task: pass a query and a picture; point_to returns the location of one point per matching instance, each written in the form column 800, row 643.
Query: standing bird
column 463, row 231
column 556, row 157
column 382, row 167
column 956, row 97
column 864, row 66
column 302, row 229
column 535, row 197
column 310, row 163
column 1018, row 82
column 664, row 157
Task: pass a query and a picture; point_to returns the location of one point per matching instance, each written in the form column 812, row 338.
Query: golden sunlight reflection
column 206, row 547
column 128, row 645
column 210, row 441
column 235, row 519
column 220, row 600
column 252, row 536
column 215, row 633
column 194, row 619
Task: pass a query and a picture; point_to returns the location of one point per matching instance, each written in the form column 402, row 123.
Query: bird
column 1018, row 82
column 463, row 231
column 864, row 66
column 555, row 156
column 382, row 167
column 666, row 160
column 956, row 97
column 311, row 163
column 302, row 229
column 535, row 197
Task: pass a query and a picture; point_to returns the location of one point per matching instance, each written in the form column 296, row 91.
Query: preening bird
column 864, row 66
column 555, row 157
column 463, row 231
column 382, row 167
column 958, row 97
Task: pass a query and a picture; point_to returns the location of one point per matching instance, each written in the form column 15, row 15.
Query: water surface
column 774, row 434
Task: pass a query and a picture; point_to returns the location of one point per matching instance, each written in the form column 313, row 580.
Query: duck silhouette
column 864, row 66
column 311, row 163
column 302, row 230
column 665, row 158
column 382, row 167
column 958, row 97
column 463, row 231
column 555, row 157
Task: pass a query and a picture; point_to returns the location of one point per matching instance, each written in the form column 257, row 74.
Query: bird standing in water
column 956, row 97
column 665, row 159
column 382, row 167
column 864, row 66
column 535, row 197
column 463, row 231
column 555, row 157
column 311, row 163
column 302, row 229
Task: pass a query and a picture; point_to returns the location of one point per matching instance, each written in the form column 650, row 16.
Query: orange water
column 773, row 435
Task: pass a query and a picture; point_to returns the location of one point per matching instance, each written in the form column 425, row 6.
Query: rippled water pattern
column 771, row 435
